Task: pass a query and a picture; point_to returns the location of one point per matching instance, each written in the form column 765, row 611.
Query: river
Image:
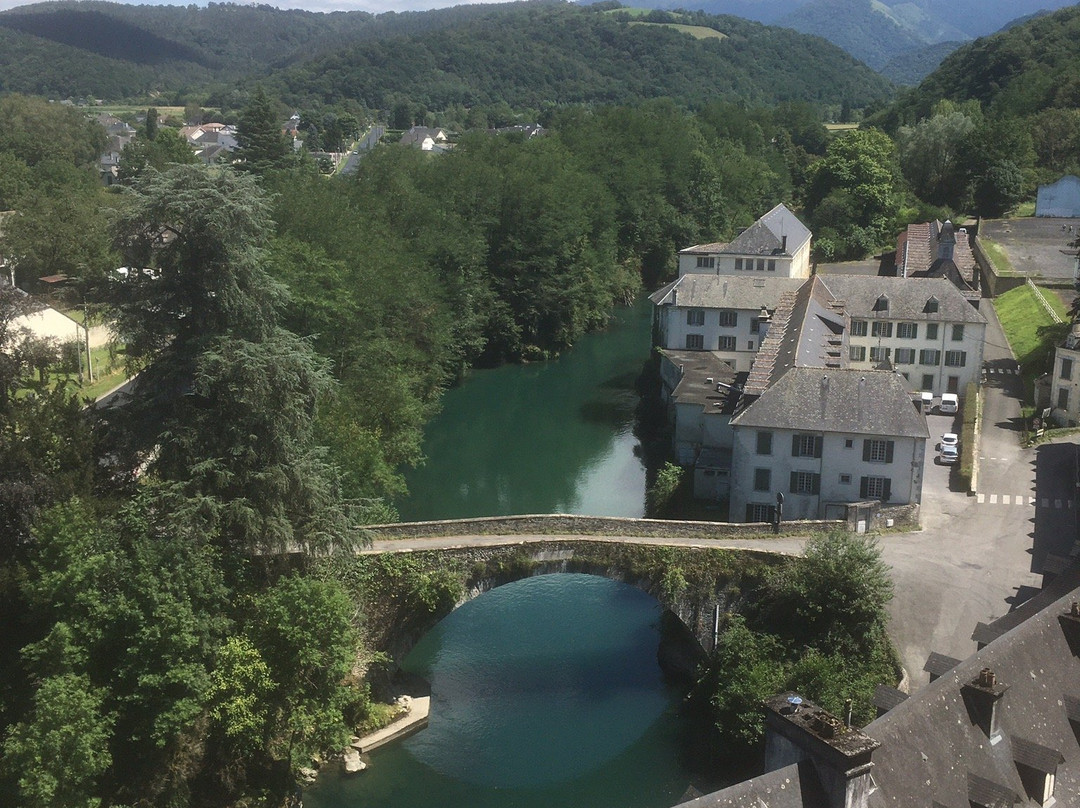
column 545, row 692
column 548, row 437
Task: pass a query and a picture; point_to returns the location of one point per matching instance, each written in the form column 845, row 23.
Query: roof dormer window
column 882, row 303
column 931, row 305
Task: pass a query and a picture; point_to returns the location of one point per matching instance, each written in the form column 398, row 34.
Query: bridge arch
column 694, row 584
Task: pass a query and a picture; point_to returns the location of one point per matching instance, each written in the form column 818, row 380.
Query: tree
column 933, row 158
column 261, row 144
column 854, row 190
column 60, row 751
column 167, row 147
column 1000, row 164
column 302, row 630
column 151, row 124
column 836, row 595
column 227, row 399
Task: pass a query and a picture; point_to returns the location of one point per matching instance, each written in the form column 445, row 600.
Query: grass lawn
column 696, row 31
column 108, row 373
column 1024, row 209
column 1031, row 332
column 996, row 253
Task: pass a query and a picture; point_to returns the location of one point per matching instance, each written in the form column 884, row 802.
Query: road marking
column 980, row 498
column 993, row 499
column 1031, row 500
column 1045, row 502
column 1005, row 500
column 1057, row 503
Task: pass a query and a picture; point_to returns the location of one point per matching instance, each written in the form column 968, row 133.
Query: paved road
column 367, row 142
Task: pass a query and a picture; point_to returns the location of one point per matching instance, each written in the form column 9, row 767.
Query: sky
column 374, row 6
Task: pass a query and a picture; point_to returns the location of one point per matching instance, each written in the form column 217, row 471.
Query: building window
column 764, row 443
column 1063, row 399
column 929, row 357
column 759, row 512
column 772, row 265
column 729, row 319
column 955, row 359
column 905, row 356
column 849, row 443
column 875, row 488
column 880, row 354
column 805, row 482
column 931, row 330
column 706, row 262
column 761, row 265
column 755, row 325
column 738, row 263
column 845, row 479
column 882, row 303
column 876, row 450
column 749, row 345
column 857, row 353
column 858, row 328
column 1066, row 369
column 695, row 342
column 928, row 382
column 806, row 445
column 881, row 329
column 931, row 305
column 907, row 330
column 695, row 316
column 727, row 344
column 958, row 332
column 762, row 479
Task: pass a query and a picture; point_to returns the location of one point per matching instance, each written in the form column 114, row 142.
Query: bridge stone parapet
column 569, row 525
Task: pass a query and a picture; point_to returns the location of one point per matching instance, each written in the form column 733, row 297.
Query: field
column 696, row 31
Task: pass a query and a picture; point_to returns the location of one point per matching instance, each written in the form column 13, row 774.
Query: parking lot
column 1034, row 246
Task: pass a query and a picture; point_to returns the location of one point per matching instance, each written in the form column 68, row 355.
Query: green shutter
column 866, row 451
column 889, row 451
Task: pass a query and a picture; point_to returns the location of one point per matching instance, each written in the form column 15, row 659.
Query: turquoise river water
column 548, row 437
column 546, row 693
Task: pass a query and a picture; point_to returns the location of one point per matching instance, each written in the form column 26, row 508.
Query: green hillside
column 532, row 55
column 1020, row 71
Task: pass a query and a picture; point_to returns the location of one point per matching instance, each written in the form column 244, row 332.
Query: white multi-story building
column 725, row 315
column 923, row 328
column 777, row 244
column 824, row 438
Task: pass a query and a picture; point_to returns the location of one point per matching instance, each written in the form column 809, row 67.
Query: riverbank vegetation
column 817, row 626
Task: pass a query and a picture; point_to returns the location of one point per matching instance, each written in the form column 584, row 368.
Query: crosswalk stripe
column 1057, row 503
column 1005, row 499
column 993, row 499
column 980, row 498
column 1045, row 502
column 1031, row 500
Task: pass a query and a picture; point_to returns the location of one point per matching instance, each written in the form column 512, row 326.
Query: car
column 950, row 404
column 949, row 455
column 949, row 439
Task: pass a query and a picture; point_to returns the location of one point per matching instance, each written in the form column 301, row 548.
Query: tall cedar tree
column 226, row 400
column 261, row 143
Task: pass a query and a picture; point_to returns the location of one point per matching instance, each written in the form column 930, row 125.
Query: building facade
column 776, row 245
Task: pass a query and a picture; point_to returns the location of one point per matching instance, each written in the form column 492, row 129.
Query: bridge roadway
column 787, row 546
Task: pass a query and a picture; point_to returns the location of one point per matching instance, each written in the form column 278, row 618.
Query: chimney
column 982, row 696
column 783, row 244
column 798, row 730
column 675, row 296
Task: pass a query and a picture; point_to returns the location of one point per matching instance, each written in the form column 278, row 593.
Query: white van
column 926, row 401
column 950, row 404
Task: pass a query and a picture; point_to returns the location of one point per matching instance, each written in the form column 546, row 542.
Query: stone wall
column 993, row 284
column 567, row 525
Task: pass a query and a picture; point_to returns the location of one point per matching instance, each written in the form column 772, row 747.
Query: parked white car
column 949, row 455
column 949, row 439
column 950, row 404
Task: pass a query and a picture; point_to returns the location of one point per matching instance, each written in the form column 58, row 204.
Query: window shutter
column 889, row 450
column 886, row 490
column 794, row 445
column 793, row 482
column 817, row 445
column 864, row 486
column 815, row 484
column 749, row 512
column 866, row 451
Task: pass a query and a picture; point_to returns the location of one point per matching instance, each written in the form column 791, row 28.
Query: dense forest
column 525, row 54
column 293, row 334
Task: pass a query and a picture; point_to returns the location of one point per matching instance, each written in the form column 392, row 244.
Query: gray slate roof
column 907, row 298
column 763, row 237
column 849, row 401
column 725, row 292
